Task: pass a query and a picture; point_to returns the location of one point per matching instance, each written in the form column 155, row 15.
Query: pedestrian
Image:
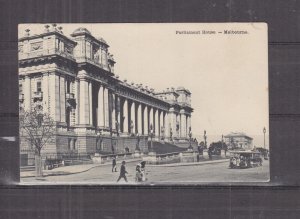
column 143, row 170
column 114, row 165
column 123, row 172
column 138, row 173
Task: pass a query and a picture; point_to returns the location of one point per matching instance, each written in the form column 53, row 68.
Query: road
column 218, row 172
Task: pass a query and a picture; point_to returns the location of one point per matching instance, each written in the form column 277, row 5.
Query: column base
column 124, row 134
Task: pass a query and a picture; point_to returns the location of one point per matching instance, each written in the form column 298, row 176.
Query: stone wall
column 85, row 145
column 186, row 145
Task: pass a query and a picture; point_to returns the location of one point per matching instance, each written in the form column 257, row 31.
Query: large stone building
column 238, row 140
column 73, row 79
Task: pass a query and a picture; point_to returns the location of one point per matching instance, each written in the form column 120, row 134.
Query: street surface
column 217, row 172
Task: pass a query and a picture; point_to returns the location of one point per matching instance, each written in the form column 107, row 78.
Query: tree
column 38, row 129
column 216, row 147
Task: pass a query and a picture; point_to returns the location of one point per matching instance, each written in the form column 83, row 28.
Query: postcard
column 143, row 103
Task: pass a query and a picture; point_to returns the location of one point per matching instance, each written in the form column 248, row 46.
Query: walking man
column 114, row 165
column 123, row 172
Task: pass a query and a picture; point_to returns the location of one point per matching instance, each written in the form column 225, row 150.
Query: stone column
column 182, row 124
column 167, row 124
column 132, row 118
column 106, row 107
column 54, row 102
column 62, row 97
column 113, row 111
column 151, row 118
column 76, row 93
column 84, row 102
column 172, row 122
column 118, row 112
column 45, row 89
column 146, row 121
column 100, row 107
column 177, row 121
column 161, row 122
column 139, row 118
column 125, row 117
column 156, row 118
column 90, row 103
column 186, row 126
column 27, row 93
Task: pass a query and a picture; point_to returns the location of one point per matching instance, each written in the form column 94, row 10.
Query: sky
column 227, row 74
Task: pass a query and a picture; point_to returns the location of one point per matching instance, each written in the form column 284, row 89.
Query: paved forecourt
column 203, row 173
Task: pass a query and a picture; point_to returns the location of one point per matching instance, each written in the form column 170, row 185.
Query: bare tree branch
column 38, row 128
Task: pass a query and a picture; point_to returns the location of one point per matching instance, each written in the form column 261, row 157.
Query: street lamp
column 205, row 143
column 264, row 130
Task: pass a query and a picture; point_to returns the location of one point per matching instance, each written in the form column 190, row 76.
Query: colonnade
column 127, row 116
column 97, row 105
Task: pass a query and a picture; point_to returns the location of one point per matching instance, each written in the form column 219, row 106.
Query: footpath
column 67, row 170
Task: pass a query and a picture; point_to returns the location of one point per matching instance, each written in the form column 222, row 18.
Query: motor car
column 245, row 159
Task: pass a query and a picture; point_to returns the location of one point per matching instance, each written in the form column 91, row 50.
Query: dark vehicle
column 245, row 159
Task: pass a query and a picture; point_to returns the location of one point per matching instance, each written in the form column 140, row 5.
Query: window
column 68, row 86
column 74, row 144
column 39, row 86
column 36, row 46
column 69, row 143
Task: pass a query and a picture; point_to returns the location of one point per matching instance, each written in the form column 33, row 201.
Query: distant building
column 238, row 140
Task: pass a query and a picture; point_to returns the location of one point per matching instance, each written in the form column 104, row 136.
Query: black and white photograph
column 137, row 103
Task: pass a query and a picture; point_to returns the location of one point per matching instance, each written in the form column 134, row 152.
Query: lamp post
column 264, row 131
column 205, row 143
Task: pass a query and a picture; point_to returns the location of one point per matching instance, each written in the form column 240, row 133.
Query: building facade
column 238, row 140
column 73, row 79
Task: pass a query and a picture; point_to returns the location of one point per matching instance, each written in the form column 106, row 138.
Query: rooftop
column 237, row 134
column 81, row 30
